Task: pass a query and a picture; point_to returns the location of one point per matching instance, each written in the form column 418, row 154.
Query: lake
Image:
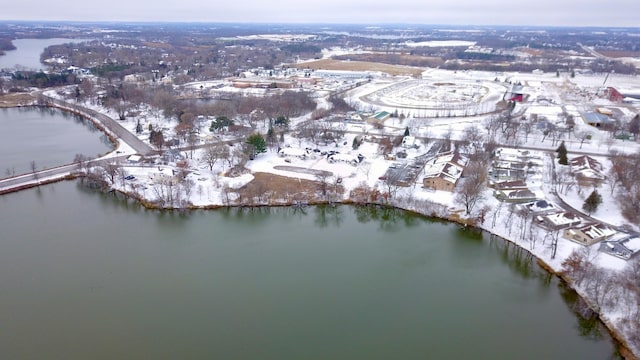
column 87, row 275
column 27, row 53
column 48, row 136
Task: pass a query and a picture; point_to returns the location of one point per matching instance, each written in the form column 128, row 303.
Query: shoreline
column 624, row 350
column 622, row 345
column 617, row 337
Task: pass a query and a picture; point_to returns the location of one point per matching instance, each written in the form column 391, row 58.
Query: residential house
column 596, row 119
column 509, row 185
column 540, row 207
column 625, row 247
column 587, row 170
column 444, row 171
column 515, row 195
column 517, row 155
column 508, row 171
column 558, row 220
column 513, row 164
column 588, row 234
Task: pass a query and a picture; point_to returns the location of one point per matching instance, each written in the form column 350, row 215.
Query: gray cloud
column 460, row 12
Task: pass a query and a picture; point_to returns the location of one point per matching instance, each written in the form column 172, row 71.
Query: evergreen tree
column 282, row 121
column 258, row 142
column 139, row 127
column 592, row 202
column 356, row 144
column 406, row 131
column 562, row 154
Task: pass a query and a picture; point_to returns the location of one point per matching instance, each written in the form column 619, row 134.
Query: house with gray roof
column 596, row 119
column 624, row 248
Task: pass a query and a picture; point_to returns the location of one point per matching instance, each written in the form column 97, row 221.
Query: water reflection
column 326, row 215
column 389, row 219
column 309, row 276
column 48, row 136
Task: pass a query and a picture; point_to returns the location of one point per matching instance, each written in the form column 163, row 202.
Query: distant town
column 531, row 134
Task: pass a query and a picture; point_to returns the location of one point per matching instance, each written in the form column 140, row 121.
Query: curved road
column 112, row 125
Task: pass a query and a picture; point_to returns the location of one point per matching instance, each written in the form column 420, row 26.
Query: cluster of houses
column 586, row 232
column 508, row 176
column 509, row 171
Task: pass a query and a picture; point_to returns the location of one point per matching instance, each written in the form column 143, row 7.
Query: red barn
column 614, row 95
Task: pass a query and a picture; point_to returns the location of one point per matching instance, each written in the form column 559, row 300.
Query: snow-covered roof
column 539, row 206
column 597, row 231
column 516, row 155
column 448, row 166
column 624, row 247
column 632, row 243
column 562, row 218
column 587, row 166
column 519, row 194
column 504, row 185
column 134, row 158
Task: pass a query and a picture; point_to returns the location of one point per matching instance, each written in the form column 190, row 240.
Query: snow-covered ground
column 549, row 96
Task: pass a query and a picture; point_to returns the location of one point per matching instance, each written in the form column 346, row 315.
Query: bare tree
column 583, row 136
column 214, row 152
column 112, row 170
column 469, row 193
column 473, row 139
column 33, row 169
column 82, row 161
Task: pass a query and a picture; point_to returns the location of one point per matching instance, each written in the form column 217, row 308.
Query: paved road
column 47, row 174
column 22, row 180
column 112, row 125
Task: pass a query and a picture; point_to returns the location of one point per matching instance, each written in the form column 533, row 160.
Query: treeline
column 394, row 59
column 110, row 70
column 302, row 49
column 5, row 45
column 623, row 181
column 608, row 290
column 464, row 55
column 40, row 79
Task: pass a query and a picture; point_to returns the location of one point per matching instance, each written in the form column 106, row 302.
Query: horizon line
column 317, row 23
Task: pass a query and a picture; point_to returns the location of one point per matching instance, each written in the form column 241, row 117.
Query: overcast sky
column 450, row 12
